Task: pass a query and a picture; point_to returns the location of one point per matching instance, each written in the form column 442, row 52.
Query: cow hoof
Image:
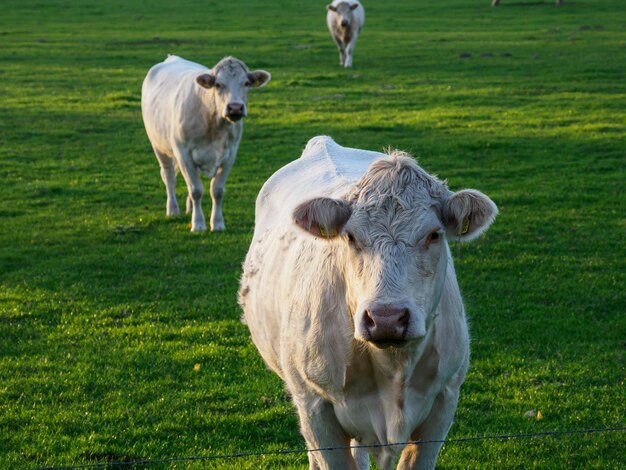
column 218, row 227
column 172, row 211
column 199, row 228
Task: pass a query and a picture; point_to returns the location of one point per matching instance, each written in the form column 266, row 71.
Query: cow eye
column 432, row 238
column 248, row 83
column 218, row 86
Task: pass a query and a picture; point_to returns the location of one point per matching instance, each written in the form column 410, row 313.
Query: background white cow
column 193, row 119
column 350, row 295
column 345, row 18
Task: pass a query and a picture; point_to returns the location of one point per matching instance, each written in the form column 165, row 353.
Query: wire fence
column 240, row 455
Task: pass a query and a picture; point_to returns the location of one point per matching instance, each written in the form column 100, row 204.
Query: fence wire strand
column 321, row 449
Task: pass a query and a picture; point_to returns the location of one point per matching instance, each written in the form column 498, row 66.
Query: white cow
column 350, row 295
column 193, row 119
column 345, row 18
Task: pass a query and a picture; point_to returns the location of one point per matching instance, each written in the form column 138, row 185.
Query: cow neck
column 217, row 125
column 394, row 366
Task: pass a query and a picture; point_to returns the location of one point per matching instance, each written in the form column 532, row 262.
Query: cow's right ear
column 206, row 80
column 322, row 217
column 331, row 8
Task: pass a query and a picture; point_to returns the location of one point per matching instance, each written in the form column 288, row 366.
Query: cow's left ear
column 259, row 78
column 354, row 6
column 322, row 217
column 206, row 80
column 467, row 214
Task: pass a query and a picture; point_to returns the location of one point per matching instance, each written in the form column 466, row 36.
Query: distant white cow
column 350, row 295
column 193, row 119
column 345, row 18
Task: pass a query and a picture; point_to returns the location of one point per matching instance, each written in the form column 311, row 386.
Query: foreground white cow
column 193, row 119
column 345, row 18
column 350, row 295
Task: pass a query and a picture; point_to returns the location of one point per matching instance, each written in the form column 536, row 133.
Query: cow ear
column 322, row 217
column 331, row 7
column 259, row 78
column 206, row 80
column 467, row 214
column 354, row 6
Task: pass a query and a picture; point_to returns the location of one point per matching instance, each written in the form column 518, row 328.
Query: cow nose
column 235, row 110
column 345, row 23
column 386, row 325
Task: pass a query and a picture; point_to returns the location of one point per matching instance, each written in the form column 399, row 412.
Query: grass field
column 120, row 337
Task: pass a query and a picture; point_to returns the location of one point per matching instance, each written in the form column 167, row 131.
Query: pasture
column 120, row 337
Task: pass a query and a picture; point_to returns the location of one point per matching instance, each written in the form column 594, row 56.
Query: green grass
column 106, row 306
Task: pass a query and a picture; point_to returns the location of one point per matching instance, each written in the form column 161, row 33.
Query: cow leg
column 342, row 55
column 435, row 428
column 321, row 429
column 349, row 51
column 341, row 49
column 360, row 456
column 168, row 175
column 348, row 60
column 194, row 187
column 218, row 184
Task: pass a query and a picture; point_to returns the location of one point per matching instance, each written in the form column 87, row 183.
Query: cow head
column 343, row 12
column 391, row 230
column 230, row 81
